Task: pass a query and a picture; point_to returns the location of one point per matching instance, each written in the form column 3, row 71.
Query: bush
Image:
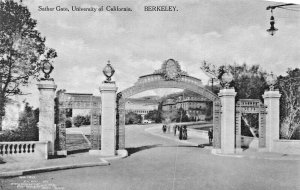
column 133, row 118
column 80, row 120
column 68, row 123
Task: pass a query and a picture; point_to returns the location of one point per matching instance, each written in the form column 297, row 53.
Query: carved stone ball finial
column 271, row 80
column 108, row 71
column 227, row 78
column 47, row 68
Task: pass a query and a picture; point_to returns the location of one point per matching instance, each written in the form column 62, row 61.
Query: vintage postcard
column 149, row 94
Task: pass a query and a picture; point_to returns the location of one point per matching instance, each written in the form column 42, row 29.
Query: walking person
column 184, row 133
column 174, row 129
column 180, row 133
column 210, row 135
column 164, row 128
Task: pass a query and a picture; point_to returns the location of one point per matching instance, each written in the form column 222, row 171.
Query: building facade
column 139, row 106
column 195, row 107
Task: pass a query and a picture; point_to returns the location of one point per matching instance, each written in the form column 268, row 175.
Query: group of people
column 182, row 130
column 166, row 128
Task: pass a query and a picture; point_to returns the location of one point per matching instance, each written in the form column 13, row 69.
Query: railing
column 24, row 150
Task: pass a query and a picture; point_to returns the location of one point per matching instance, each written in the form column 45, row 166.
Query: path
column 160, row 163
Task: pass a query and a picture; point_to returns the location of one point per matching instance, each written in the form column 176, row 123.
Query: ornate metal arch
column 163, row 79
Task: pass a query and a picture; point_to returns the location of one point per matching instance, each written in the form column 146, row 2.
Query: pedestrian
column 168, row 128
column 164, row 128
column 210, row 135
column 174, row 129
column 180, row 133
column 184, row 137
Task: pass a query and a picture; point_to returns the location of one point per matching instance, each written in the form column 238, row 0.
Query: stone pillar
column 46, row 125
column 227, row 97
column 271, row 100
column 108, row 119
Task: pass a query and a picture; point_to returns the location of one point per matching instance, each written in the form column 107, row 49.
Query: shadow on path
column 133, row 150
column 1, row 161
column 183, row 146
column 204, row 145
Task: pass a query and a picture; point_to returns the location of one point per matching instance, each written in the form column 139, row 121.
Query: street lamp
column 272, row 29
column 108, row 71
column 47, row 69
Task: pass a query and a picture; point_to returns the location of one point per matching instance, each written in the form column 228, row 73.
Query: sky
column 217, row 31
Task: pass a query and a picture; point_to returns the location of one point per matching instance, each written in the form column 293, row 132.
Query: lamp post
column 272, row 29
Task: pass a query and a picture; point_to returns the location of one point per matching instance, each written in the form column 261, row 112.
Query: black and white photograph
column 149, row 94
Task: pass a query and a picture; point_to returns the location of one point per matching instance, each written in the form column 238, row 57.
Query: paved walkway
column 200, row 138
column 34, row 166
column 195, row 137
column 167, row 164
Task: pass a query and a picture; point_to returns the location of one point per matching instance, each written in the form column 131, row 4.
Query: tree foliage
column 80, row 120
column 248, row 81
column 22, row 50
column 133, row 118
column 289, row 87
column 27, row 129
column 154, row 115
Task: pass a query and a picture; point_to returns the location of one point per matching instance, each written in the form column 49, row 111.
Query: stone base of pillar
column 216, row 151
column 100, row 153
column 238, row 150
column 61, row 153
column 119, row 153
column 232, row 151
column 95, row 152
column 263, row 150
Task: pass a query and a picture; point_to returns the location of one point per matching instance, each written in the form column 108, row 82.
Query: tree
column 289, row 86
column 27, row 129
column 182, row 115
column 170, row 116
column 248, row 81
column 78, row 120
column 154, row 115
column 28, row 122
column 22, row 51
column 132, row 118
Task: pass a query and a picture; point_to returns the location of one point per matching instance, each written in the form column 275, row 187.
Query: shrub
column 68, row 123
